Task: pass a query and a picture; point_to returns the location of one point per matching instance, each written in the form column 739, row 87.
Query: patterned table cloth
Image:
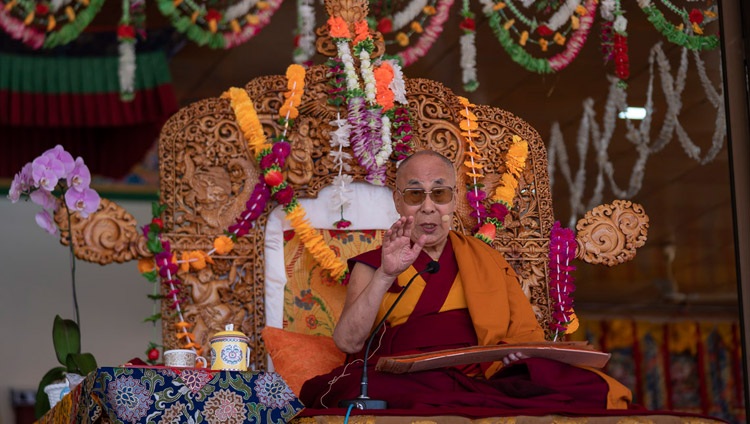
column 174, row 395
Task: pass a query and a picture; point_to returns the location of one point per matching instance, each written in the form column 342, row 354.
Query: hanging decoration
column 590, row 132
column 304, row 39
column 514, row 40
column 468, row 48
column 131, row 24
column 46, row 24
column 206, row 25
column 691, row 38
column 562, row 250
column 502, row 199
column 614, row 38
column 412, row 30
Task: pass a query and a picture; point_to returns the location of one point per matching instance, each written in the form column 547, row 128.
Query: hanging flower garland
column 580, row 26
column 47, row 25
column 676, row 34
column 370, row 105
column 614, row 38
column 271, row 159
column 562, row 250
column 304, row 40
column 132, row 21
column 502, row 200
column 468, row 49
column 218, row 29
column 475, row 194
column 429, row 19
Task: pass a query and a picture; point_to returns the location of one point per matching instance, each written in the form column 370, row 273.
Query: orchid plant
column 54, row 180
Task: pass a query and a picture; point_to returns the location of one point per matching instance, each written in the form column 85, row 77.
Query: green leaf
column 154, row 246
column 153, row 318
column 80, row 363
column 42, row 401
column 66, row 337
column 151, row 276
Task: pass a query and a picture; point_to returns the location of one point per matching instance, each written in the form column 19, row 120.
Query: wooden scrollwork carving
column 106, row 236
column 610, row 234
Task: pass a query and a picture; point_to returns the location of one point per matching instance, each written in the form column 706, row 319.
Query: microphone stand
column 363, row 401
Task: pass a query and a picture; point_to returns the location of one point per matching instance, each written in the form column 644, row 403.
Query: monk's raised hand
column 398, row 251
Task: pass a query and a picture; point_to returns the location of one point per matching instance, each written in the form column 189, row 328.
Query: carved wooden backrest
column 207, row 174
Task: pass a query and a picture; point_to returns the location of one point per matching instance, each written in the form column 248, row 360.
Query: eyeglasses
column 416, row 196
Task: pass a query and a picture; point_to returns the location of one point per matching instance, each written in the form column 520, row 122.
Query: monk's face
column 432, row 212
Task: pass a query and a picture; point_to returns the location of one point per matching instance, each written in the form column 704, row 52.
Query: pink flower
column 44, row 220
column 21, row 183
column 79, row 177
column 285, row 195
column 44, row 199
column 281, row 149
column 60, row 154
column 46, row 171
column 343, row 223
column 85, row 201
column 268, row 161
column 475, row 197
column 498, row 211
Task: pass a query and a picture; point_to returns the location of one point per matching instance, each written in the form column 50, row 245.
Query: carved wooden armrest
column 108, row 235
column 610, row 234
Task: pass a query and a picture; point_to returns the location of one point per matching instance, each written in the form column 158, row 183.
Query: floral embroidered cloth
column 174, row 395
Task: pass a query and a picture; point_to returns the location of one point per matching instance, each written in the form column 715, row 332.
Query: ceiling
column 687, row 267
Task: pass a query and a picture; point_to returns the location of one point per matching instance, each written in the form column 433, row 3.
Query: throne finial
column 351, row 11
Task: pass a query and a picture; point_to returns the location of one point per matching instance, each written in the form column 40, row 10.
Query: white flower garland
column 345, row 54
column 239, row 10
column 607, row 10
column 589, row 132
column 368, row 77
column 563, row 14
column 126, row 67
column 398, row 86
column 385, row 134
column 468, row 58
column 55, row 5
column 405, row 16
column 306, row 31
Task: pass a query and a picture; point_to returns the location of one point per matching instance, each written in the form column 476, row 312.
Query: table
column 177, row 395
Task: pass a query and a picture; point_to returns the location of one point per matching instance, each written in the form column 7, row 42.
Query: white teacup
column 183, row 358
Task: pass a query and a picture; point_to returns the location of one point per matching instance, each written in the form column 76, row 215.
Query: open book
column 574, row 353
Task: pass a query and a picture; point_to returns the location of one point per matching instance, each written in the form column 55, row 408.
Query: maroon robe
column 529, row 383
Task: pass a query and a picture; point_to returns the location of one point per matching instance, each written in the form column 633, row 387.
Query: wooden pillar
column 735, row 23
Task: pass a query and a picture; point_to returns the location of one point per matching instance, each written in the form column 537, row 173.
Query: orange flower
column 197, row 259
column 223, row 245
column 295, row 73
column 185, row 262
column 416, row 27
column 487, row 231
column 429, row 10
column 338, row 28
column 402, row 39
column 361, row 31
column 290, row 111
column 146, row 265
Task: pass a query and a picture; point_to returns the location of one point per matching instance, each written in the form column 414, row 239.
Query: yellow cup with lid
column 230, row 350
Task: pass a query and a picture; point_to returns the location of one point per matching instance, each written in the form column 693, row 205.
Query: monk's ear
column 397, row 201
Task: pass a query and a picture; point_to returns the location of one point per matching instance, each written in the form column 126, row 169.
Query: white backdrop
column 35, row 286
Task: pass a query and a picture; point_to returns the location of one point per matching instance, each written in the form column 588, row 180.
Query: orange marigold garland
column 502, row 200
column 475, row 194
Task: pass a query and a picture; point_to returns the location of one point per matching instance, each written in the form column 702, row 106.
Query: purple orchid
column 79, row 177
column 44, row 220
column 61, row 155
column 85, row 201
column 46, row 171
column 44, row 199
column 22, row 183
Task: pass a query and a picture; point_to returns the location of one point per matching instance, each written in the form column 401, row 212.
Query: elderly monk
column 474, row 299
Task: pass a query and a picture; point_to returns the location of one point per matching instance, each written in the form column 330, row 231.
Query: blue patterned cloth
column 173, row 395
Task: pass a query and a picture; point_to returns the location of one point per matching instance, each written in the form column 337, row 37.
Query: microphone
column 363, row 401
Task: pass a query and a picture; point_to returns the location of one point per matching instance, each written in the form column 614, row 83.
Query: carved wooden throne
column 207, row 174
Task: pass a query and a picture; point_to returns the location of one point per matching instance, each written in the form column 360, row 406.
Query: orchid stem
column 73, row 265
